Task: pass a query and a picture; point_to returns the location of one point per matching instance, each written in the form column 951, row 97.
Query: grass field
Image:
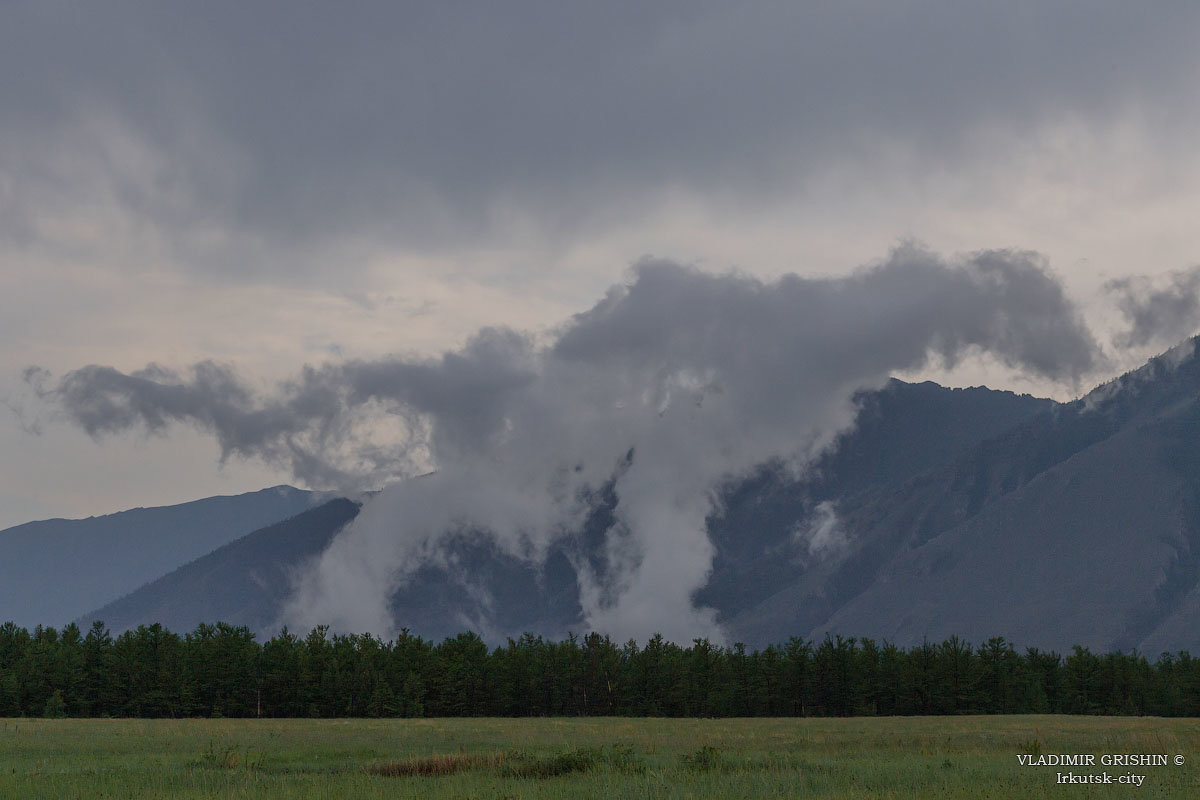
column 565, row 758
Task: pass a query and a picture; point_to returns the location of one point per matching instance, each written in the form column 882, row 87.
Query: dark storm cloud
column 425, row 123
column 1005, row 302
column 773, row 340
column 1158, row 311
column 701, row 377
column 310, row 424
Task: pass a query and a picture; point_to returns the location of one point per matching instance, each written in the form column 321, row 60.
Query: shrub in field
column 622, row 757
column 618, row 756
column 706, row 759
column 228, row 757
column 1033, row 746
column 522, row 765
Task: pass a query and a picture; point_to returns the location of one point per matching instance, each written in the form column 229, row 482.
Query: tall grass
column 969, row 757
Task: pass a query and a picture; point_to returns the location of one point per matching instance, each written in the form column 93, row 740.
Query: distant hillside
column 54, row 570
column 943, row 512
column 1080, row 526
column 243, row 582
column 901, row 431
column 904, row 428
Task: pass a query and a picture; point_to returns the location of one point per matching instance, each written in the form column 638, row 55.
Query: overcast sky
column 269, row 185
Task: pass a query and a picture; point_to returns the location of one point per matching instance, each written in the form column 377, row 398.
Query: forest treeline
column 221, row 670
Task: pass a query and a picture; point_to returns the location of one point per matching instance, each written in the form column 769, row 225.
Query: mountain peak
column 1167, row 373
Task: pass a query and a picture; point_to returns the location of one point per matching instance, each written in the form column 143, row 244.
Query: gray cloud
column 1158, row 311
column 701, row 377
column 319, row 425
column 242, row 132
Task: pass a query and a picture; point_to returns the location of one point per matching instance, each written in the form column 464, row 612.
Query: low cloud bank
column 672, row 385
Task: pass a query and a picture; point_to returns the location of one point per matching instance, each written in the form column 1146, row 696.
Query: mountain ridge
column 435, row 601
column 112, row 554
column 942, row 512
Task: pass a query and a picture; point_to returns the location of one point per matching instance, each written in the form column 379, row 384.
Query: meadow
column 969, row 757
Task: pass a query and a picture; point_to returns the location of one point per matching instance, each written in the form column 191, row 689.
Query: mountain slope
column 903, row 428
column 943, row 512
column 243, row 582
column 1080, row 526
column 1075, row 555
column 54, row 570
column 248, row 581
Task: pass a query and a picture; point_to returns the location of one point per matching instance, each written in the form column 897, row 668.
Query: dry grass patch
column 436, row 766
column 519, row 764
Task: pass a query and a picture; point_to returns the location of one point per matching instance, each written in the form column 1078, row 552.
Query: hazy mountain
column 54, row 570
column 1081, row 525
column 247, row 581
column 243, row 582
column 968, row 512
column 902, row 429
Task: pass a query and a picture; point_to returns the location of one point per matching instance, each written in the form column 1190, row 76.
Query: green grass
column 566, row 758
